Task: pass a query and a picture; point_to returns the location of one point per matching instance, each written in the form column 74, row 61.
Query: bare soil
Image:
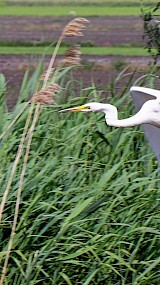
column 101, row 31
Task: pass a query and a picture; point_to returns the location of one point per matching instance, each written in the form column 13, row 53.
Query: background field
column 116, row 46
column 69, row 10
column 82, row 2
column 119, row 35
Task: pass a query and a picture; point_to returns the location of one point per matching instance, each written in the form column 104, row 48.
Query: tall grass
column 89, row 201
column 89, row 209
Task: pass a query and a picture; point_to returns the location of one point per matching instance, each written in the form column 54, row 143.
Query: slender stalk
column 36, row 116
column 53, row 59
column 19, row 153
column 20, row 150
column 15, row 119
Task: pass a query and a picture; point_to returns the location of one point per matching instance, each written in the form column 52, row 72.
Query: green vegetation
column 152, row 30
column 80, row 199
column 89, row 211
column 129, row 51
column 69, row 10
column 80, row 2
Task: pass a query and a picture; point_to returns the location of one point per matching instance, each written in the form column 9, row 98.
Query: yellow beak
column 74, row 109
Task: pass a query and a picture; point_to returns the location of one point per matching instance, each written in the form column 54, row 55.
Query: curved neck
column 129, row 122
column 148, row 114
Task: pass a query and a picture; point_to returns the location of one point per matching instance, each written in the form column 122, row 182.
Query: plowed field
column 101, row 31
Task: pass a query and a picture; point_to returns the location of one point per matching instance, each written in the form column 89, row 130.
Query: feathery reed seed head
column 72, row 56
column 54, row 88
column 46, row 95
column 75, row 27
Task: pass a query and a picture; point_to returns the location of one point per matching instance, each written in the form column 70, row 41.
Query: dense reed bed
column 80, row 200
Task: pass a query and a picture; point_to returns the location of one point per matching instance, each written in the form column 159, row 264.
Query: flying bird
column 147, row 102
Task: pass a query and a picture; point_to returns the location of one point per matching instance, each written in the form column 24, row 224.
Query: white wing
column 140, row 95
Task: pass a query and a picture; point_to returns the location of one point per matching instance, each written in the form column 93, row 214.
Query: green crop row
column 128, row 51
column 79, row 2
column 69, row 10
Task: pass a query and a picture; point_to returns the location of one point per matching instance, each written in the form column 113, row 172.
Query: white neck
column 129, row 122
column 148, row 114
column 140, row 118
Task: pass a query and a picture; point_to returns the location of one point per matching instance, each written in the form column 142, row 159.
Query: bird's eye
column 87, row 108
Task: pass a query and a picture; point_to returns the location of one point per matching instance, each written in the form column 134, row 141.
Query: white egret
column 147, row 103
column 140, row 96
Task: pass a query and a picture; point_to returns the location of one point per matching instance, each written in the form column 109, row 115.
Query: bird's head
column 93, row 107
column 90, row 107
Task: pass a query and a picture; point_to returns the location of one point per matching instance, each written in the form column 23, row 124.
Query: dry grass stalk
column 19, row 153
column 18, row 156
column 36, row 115
column 47, row 94
column 44, row 96
column 44, row 74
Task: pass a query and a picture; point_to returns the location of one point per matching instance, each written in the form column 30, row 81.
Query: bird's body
column 148, row 114
column 147, row 103
column 140, row 95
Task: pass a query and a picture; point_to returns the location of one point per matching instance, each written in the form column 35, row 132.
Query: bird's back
column 140, row 95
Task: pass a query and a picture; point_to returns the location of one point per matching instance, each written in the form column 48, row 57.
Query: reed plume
column 72, row 29
column 46, row 95
column 75, row 27
column 72, row 56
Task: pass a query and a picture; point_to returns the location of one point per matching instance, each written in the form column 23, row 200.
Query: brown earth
column 98, row 69
column 101, row 31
